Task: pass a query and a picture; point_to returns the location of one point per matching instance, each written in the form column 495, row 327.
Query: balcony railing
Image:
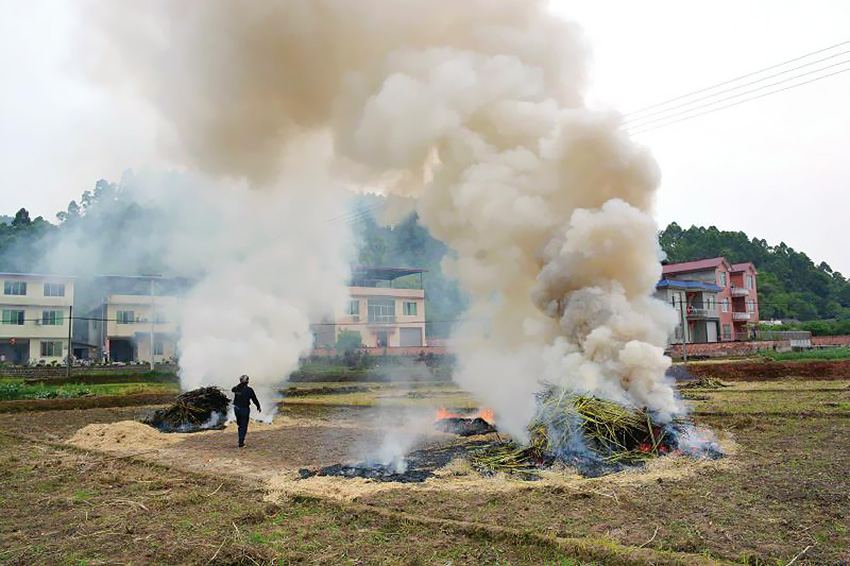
column 700, row 310
column 381, row 318
column 740, row 316
column 740, row 292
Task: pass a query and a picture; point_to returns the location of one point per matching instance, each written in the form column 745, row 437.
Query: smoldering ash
column 474, row 110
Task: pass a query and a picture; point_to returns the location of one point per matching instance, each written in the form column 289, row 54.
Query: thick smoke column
column 473, row 109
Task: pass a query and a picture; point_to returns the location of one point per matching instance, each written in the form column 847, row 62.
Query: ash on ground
column 418, row 466
column 193, row 411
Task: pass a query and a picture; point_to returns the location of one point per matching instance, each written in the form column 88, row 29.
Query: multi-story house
column 386, row 306
column 36, row 312
column 127, row 316
column 736, row 298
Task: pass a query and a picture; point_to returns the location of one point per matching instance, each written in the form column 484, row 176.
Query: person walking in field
column 242, row 406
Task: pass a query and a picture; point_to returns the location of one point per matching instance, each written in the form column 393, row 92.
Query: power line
column 640, row 129
column 724, row 83
column 709, row 96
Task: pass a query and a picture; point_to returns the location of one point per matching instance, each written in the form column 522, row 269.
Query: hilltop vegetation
column 790, row 284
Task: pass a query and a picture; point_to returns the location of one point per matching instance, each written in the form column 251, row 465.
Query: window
column 51, row 348
column 381, row 310
column 52, row 318
column 724, row 305
column 727, row 331
column 13, row 316
column 353, row 308
column 750, row 281
column 158, row 348
column 54, row 289
column 722, row 279
column 15, row 288
column 409, row 308
column 751, row 306
column 159, row 318
column 125, row 317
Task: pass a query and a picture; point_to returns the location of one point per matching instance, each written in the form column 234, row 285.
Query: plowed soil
column 762, row 371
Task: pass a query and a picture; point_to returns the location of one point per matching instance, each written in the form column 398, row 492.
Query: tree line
column 790, row 284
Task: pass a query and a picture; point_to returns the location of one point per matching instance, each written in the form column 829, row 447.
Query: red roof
column 698, row 265
column 736, row 267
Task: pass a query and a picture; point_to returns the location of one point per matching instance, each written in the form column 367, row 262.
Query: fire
column 444, row 413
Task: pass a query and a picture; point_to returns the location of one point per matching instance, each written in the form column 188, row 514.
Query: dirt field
column 760, row 371
column 198, row 499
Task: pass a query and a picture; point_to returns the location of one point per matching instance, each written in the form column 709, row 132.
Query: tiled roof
column 743, row 266
column 698, row 265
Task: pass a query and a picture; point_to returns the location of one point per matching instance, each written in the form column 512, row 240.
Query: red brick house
column 732, row 309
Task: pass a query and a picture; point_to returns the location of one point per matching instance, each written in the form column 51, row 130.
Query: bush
column 348, row 341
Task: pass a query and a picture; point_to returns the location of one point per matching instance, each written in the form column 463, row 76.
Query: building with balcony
column 695, row 303
column 35, row 320
column 736, row 298
column 130, row 319
column 386, row 306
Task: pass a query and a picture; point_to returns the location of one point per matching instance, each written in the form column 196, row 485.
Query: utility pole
column 70, row 345
column 153, row 320
column 684, row 331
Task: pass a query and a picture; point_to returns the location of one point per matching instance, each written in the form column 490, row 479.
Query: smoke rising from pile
column 472, row 109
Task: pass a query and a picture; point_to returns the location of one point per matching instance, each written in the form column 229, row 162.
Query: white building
column 130, row 314
column 385, row 313
column 35, row 320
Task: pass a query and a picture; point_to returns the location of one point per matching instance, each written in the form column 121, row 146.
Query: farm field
column 126, row 495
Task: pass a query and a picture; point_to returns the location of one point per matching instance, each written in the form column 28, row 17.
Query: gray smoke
column 473, row 111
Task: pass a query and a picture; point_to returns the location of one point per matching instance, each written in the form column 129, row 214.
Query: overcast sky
column 777, row 168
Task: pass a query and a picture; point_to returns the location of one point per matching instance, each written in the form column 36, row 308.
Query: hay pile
column 593, row 435
column 123, row 436
column 703, row 383
column 200, row 409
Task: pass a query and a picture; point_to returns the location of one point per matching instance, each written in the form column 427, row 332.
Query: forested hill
column 790, row 284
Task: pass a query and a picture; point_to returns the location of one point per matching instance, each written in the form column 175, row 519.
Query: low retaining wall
column 726, row 349
column 57, row 372
column 408, row 351
column 831, row 340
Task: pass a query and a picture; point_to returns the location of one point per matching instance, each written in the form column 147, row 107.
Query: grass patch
column 824, row 354
column 15, row 389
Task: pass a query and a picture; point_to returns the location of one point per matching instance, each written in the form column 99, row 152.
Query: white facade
column 130, row 322
column 384, row 317
column 35, row 319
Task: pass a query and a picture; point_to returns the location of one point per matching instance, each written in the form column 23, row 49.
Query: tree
column 22, row 218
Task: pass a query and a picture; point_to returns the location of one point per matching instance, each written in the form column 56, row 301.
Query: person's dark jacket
column 244, row 396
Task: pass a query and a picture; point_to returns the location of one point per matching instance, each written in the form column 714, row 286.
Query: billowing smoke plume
column 474, row 110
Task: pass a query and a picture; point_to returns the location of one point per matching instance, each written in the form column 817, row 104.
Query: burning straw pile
column 593, row 435
column 200, row 409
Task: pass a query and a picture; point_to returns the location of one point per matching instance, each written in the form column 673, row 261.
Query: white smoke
column 474, row 110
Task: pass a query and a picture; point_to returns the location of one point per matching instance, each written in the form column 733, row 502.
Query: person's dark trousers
column 242, row 416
